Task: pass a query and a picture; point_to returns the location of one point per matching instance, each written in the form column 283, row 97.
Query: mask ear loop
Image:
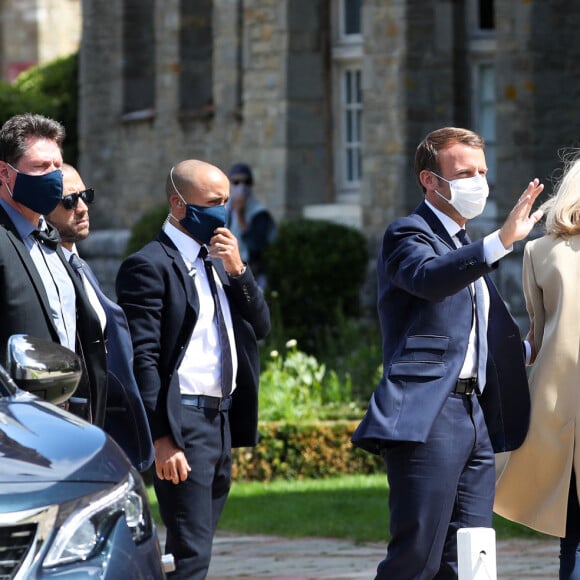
column 175, row 187
column 450, row 200
column 6, row 183
column 181, row 201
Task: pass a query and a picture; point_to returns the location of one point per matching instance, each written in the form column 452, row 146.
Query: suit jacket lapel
column 439, row 230
column 28, row 263
column 180, row 269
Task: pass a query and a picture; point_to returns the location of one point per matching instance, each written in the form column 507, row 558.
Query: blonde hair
column 562, row 210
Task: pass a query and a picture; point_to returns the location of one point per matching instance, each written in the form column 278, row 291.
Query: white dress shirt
column 200, row 370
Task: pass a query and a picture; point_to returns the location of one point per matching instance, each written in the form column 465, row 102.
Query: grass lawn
column 350, row 507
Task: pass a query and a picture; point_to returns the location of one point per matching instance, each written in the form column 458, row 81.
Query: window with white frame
column 347, row 98
column 485, row 113
column 351, row 137
column 482, row 47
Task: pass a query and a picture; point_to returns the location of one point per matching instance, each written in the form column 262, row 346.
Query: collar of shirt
column 22, row 225
column 185, row 244
column 450, row 225
column 68, row 253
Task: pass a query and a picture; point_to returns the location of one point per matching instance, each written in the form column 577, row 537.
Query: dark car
column 71, row 504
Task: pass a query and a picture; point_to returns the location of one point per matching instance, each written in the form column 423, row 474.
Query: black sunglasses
column 243, row 181
column 71, row 200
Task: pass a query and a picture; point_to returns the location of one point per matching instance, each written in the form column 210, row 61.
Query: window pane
column 138, row 55
column 347, row 86
column 485, row 113
column 486, row 16
column 196, row 55
column 351, row 16
column 351, row 124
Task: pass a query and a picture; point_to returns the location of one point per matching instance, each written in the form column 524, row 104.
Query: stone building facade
column 36, row 32
column 326, row 99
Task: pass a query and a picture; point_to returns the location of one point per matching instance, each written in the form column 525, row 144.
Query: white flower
column 291, row 343
column 274, row 354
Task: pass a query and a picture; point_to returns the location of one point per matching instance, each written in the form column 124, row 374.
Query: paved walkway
column 274, row 558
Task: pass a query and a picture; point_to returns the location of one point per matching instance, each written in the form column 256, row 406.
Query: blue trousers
column 436, row 488
column 570, row 544
column 191, row 509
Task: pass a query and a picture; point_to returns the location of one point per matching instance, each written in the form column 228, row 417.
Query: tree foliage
column 50, row 90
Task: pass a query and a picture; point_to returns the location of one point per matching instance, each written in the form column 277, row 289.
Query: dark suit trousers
column 191, row 509
column 436, row 488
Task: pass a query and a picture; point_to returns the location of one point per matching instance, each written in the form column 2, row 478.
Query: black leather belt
column 465, row 386
column 207, row 402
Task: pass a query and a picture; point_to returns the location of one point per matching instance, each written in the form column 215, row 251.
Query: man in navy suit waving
column 125, row 418
column 454, row 387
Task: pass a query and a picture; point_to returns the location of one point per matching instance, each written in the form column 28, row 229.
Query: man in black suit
column 125, row 418
column 195, row 321
column 39, row 293
column 454, row 386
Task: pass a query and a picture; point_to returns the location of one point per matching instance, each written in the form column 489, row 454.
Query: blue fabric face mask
column 201, row 221
column 40, row 193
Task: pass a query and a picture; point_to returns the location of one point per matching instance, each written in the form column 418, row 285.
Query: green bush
column 146, row 228
column 303, row 451
column 50, row 90
column 315, row 270
column 13, row 101
column 295, row 387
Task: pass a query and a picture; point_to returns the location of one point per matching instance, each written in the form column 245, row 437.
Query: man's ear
column 4, row 175
column 428, row 179
column 175, row 201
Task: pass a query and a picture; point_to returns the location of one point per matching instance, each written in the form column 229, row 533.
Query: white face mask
column 468, row 195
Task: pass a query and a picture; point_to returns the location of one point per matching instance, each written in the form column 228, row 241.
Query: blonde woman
column 538, row 485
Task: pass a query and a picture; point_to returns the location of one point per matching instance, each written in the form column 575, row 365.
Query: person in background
column 196, row 313
column 41, row 296
column 125, row 418
column 249, row 220
column 454, row 386
column 538, row 486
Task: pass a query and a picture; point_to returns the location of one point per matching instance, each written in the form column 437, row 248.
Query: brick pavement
column 265, row 557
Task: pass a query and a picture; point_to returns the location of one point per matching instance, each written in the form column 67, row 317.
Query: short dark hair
column 427, row 153
column 18, row 129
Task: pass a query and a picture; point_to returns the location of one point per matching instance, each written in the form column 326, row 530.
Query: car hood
column 40, row 442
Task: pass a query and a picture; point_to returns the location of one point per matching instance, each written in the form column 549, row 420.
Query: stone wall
column 36, row 32
column 271, row 108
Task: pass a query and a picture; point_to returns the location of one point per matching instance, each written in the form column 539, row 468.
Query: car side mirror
column 44, row 368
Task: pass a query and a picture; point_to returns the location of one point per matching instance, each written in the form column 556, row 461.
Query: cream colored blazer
column 533, row 484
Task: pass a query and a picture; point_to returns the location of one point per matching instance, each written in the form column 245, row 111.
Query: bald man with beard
column 196, row 313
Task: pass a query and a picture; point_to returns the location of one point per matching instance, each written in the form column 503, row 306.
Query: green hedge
column 147, row 227
column 315, row 271
column 303, row 451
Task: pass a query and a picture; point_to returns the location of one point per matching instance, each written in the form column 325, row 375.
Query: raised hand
column 520, row 221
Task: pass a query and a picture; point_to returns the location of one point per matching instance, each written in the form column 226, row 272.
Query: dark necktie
column 225, row 347
column 76, row 265
column 49, row 238
column 481, row 329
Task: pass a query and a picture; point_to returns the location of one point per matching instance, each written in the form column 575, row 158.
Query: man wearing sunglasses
column 41, row 295
column 125, row 418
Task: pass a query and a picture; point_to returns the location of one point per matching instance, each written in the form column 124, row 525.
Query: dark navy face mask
column 40, row 193
column 201, row 221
